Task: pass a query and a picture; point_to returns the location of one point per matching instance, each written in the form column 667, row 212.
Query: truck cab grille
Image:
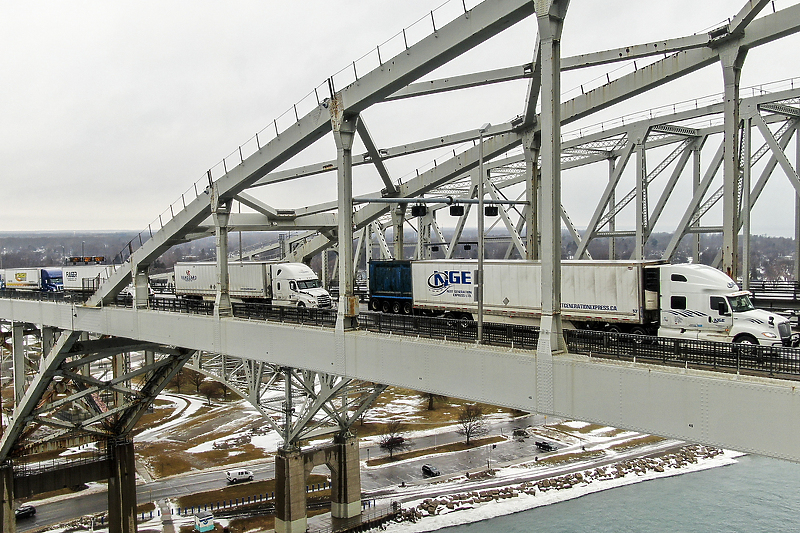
column 324, row 301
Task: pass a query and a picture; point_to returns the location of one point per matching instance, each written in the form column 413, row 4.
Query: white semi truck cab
column 296, row 284
column 285, row 284
column 703, row 303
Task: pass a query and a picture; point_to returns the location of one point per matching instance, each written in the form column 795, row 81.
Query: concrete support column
column 550, row 19
column 398, row 218
column 732, row 58
column 7, row 519
column 122, row 489
column 290, row 492
column 221, row 213
column 346, row 479
column 344, row 129
column 141, row 286
column 18, row 357
column 531, row 144
column 612, row 201
column 641, row 199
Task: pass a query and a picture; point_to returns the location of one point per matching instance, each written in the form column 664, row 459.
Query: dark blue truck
column 390, row 287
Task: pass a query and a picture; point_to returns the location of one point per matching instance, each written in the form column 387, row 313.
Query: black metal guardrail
column 770, row 360
column 29, row 469
column 788, row 290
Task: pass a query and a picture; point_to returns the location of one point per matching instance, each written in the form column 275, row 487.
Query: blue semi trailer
column 390, row 287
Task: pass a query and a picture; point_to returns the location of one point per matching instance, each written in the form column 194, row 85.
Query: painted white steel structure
column 753, row 414
column 528, row 151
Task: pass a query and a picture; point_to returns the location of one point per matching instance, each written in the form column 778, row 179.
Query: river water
column 753, row 495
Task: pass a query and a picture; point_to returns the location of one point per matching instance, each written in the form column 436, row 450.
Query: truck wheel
column 396, row 308
column 385, row 306
column 407, row 309
column 745, row 339
column 746, row 346
column 300, row 304
column 375, row 304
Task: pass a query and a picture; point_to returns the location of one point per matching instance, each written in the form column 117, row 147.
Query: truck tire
column 385, row 306
column 375, row 304
column 407, row 309
column 397, row 307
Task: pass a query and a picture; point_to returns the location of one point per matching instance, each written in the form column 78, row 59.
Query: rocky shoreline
column 640, row 467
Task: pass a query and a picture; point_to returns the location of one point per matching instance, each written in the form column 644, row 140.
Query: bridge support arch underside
column 715, row 408
column 292, row 468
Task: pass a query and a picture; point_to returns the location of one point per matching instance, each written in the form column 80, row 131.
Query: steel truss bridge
column 98, row 364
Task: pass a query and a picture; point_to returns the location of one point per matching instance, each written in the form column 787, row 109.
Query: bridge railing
column 770, row 360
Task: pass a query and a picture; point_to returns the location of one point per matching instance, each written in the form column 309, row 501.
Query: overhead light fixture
column 418, row 210
column 490, row 210
column 456, row 210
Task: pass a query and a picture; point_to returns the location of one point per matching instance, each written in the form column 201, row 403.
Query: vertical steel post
column 696, row 185
column 481, row 251
column 221, row 213
column 732, row 58
column 612, row 201
column 748, row 124
column 550, row 19
column 641, row 197
column 344, row 129
column 531, row 147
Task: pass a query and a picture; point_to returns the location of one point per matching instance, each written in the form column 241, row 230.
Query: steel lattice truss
column 87, row 390
column 304, row 406
column 667, row 138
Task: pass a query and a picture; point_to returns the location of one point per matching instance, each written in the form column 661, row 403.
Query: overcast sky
column 111, row 110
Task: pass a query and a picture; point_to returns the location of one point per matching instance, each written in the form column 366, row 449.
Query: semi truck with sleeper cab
column 687, row 301
column 286, row 284
column 33, row 279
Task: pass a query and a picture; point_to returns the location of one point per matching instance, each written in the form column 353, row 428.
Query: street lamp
column 479, row 281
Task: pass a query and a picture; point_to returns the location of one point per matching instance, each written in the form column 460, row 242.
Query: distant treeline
column 771, row 257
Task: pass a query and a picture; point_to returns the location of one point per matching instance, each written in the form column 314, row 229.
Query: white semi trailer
column 643, row 297
column 85, row 278
column 287, row 284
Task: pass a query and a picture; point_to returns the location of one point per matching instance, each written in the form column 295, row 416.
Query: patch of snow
column 524, row 502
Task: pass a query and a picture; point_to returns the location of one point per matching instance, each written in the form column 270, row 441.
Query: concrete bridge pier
column 122, row 488
column 292, row 468
column 7, row 519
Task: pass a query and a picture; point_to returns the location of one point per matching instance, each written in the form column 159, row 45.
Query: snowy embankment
column 474, row 505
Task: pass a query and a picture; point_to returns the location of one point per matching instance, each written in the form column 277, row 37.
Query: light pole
column 479, row 281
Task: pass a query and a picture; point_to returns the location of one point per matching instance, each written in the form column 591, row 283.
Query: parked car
column 234, row 476
column 430, row 471
column 546, row 446
column 25, row 511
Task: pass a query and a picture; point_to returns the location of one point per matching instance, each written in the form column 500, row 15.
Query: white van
column 235, row 476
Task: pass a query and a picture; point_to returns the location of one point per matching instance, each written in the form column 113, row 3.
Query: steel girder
column 67, row 404
column 308, row 405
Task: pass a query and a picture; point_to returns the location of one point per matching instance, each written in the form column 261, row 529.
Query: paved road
column 372, row 479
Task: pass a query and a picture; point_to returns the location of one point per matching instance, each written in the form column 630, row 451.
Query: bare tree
column 211, row 389
column 392, row 438
column 472, row 422
column 195, row 378
column 432, row 398
column 179, row 379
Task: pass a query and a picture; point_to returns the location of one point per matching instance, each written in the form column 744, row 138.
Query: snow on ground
column 186, row 407
column 524, row 502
